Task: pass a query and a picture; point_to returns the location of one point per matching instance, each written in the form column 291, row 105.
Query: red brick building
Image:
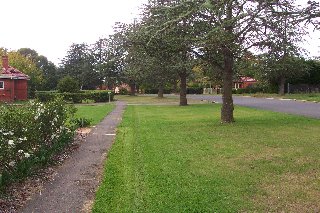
column 13, row 83
column 244, row 82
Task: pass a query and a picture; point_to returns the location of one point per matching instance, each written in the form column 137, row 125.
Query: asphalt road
column 308, row 109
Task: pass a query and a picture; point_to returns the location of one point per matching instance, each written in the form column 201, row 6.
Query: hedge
column 96, row 96
column 190, row 90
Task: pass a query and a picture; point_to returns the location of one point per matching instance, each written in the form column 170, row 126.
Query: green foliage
column 68, row 84
column 81, row 122
column 29, row 134
column 79, row 64
column 257, row 88
column 47, row 68
column 79, row 97
column 123, row 91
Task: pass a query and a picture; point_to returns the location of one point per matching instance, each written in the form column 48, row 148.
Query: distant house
column 13, row 83
column 244, row 82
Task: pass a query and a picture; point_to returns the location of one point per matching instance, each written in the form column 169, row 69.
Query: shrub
column 29, row 134
column 95, row 95
column 81, row 122
column 123, row 91
column 68, row 84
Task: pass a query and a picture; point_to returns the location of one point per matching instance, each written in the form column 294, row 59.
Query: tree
column 48, row 69
column 106, row 60
column 79, row 64
column 172, row 45
column 68, row 84
column 226, row 29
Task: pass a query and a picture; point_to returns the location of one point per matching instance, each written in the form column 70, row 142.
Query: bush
column 256, row 88
column 123, row 91
column 29, row 134
column 95, row 95
column 68, row 84
column 81, row 122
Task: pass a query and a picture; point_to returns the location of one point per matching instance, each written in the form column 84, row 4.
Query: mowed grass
column 94, row 112
column 181, row 159
column 153, row 100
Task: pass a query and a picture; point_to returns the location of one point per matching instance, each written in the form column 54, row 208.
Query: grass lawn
column 306, row 96
column 152, row 100
column 94, row 112
column 181, row 159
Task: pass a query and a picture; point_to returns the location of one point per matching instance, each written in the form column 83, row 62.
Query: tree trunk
column 160, row 91
column 175, row 87
column 132, row 89
column 227, row 101
column 183, row 88
column 282, row 82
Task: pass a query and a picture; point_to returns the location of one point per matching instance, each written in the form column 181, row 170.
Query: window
column 1, row 85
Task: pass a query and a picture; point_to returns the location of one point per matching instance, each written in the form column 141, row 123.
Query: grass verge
column 302, row 96
column 95, row 113
column 181, row 159
column 153, row 100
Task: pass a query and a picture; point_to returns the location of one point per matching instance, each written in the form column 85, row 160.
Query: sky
column 50, row 27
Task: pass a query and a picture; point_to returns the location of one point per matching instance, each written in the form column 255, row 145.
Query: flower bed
column 30, row 135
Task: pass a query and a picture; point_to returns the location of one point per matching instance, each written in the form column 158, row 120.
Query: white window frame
column 2, row 82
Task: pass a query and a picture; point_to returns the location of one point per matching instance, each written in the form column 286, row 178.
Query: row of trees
column 174, row 36
column 174, row 40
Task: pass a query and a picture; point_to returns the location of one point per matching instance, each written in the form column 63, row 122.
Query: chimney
column 5, row 62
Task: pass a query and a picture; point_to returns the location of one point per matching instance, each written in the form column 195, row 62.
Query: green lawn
column 152, row 99
column 94, row 112
column 181, row 159
column 300, row 96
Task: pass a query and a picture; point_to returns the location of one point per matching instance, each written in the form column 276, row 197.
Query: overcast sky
column 50, row 27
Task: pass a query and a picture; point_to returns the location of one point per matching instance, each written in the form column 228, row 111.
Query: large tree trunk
column 160, row 91
column 132, row 89
column 227, row 101
column 183, row 88
column 282, row 82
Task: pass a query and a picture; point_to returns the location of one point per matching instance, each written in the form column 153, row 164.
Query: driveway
column 308, row 109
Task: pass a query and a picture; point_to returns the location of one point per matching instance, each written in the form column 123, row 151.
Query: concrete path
column 73, row 188
column 308, row 109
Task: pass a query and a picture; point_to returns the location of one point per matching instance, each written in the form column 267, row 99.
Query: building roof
column 13, row 73
column 247, row 79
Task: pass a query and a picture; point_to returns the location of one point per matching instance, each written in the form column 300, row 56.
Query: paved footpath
column 73, row 188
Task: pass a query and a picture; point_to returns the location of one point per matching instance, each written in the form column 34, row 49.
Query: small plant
column 81, row 122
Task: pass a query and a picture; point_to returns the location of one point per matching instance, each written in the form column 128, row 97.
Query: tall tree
column 78, row 63
column 228, row 28
column 171, row 44
column 48, row 69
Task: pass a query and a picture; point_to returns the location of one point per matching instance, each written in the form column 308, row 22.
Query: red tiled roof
column 247, row 79
column 13, row 73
